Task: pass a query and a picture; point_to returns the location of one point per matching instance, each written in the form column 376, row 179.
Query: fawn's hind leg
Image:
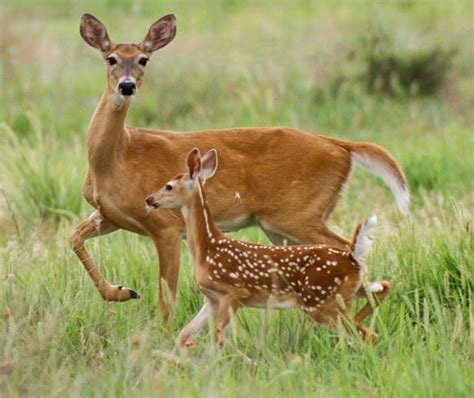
column 367, row 335
column 335, row 309
column 380, row 289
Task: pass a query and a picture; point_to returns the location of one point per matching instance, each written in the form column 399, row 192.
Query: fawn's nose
column 127, row 88
column 150, row 202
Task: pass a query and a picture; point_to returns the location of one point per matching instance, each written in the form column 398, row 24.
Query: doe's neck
column 108, row 136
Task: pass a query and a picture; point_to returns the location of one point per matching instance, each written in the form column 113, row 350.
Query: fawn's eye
column 168, row 187
column 143, row 61
column 112, row 61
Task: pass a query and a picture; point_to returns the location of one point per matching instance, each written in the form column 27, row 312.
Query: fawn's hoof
column 184, row 348
column 190, row 346
column 371, row 338
column 119, row 293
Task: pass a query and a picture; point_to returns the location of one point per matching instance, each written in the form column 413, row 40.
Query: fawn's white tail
column 361, row 243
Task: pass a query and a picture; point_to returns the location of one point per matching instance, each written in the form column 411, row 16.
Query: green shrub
column 390, row 68
column 389, row 62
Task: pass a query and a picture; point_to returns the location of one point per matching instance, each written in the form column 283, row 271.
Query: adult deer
column 320, row 280
column 289, row 196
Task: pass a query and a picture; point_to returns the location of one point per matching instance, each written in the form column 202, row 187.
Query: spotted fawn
column 319, row 279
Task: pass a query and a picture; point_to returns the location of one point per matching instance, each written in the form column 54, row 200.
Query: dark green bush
column 389, row 69
column 388, row 62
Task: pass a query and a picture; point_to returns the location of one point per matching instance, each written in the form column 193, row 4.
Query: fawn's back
column 306, row 277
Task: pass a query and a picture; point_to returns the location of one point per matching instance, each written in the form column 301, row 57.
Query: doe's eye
column 168, row 187
column 143, row 61
column 112, row 61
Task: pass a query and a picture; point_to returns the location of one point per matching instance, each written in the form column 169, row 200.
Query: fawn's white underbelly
column 272, row 302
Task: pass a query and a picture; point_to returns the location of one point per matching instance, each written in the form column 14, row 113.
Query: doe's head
column 126, row 62
column 178, row 191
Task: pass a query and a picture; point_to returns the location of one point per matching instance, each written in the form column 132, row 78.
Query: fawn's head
column 179, row 191
column 126, row 62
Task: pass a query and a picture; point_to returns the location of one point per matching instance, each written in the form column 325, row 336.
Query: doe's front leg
column 168, row 246
column 92, row 226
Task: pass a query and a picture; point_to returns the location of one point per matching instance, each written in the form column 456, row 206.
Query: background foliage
column 396, row 73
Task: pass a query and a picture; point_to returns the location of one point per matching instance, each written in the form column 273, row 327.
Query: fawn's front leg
column 96, row 225
column 227, row 307
column 195, row 326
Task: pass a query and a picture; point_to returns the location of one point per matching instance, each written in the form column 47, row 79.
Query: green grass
column 233, row 63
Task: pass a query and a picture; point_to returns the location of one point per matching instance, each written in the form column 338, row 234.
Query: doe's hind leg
column 302, row 231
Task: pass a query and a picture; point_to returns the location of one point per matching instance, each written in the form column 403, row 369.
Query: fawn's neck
column 201, row 230
column 107, row 137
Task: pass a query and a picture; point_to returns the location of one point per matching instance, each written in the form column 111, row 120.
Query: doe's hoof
column 119, row 293
column 132, row 293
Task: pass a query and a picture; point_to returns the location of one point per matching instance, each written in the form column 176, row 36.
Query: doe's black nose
column 127, row 88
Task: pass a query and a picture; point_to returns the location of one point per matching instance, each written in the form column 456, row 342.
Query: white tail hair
column 379, row 162
column 390, row 175
column 361, row 243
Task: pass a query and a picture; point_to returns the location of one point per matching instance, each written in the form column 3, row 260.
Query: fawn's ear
column 193, row 163
column 94, row 33
column 208, row 164
column 160, row 33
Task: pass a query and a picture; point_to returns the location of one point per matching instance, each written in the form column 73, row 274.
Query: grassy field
column 235, row 63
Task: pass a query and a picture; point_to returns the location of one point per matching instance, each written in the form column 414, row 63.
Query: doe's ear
column 208, row 164
column 193, row 163
column 94, row 33
column 160, row 34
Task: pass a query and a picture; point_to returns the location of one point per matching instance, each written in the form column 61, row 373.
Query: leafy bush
column 390, row 68
column 390, row 62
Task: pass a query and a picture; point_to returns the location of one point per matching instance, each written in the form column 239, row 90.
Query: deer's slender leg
column 367, row 335
column 96, row 225
column 302, row 232
column 197, row 324
column 227, row 307
column 168, row 246
column 329, row 320
column 278, row 239
column 319, row 234
column 380, row 289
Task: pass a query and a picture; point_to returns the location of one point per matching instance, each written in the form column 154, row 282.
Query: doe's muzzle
column 127, row 88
